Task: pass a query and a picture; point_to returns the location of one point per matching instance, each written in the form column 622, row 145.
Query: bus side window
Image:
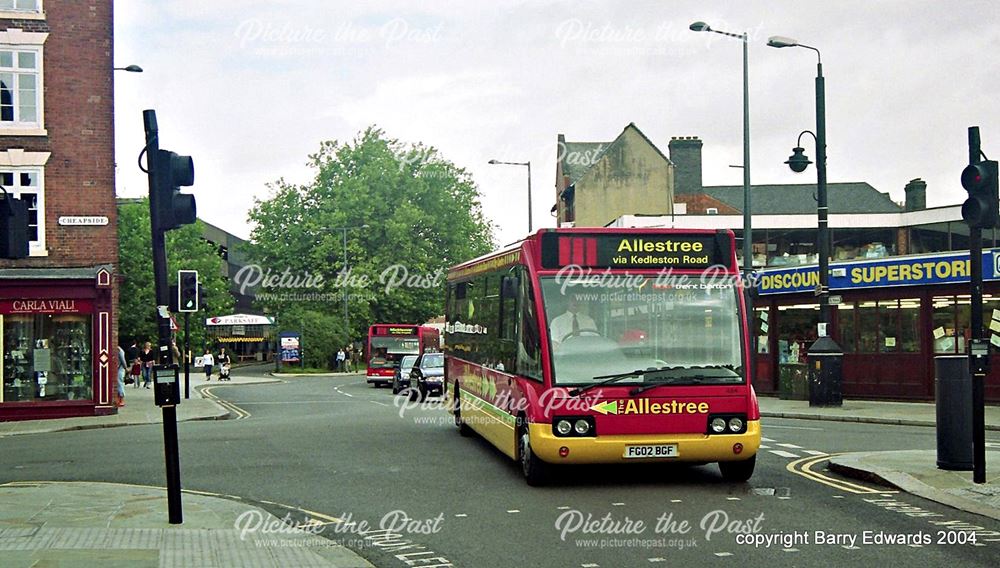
column 529, row 349
column 507, row 345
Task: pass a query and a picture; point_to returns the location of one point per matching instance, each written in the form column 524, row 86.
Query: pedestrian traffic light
column 13, row 227
column 170, row 172
column 980, row 210
column 187, row 291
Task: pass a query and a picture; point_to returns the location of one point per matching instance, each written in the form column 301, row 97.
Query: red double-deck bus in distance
column 390, row 342
column 593, row 345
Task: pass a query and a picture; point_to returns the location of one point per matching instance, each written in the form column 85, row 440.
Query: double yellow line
column 803, row 467
column 239, row 412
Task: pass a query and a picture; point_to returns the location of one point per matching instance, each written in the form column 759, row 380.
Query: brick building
column 57, row 307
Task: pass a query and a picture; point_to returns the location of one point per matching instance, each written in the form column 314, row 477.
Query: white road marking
column 563, row 508
column 723, row 553
column 618, row 504
column 461, row 515
column 657, row 559
column 838, row 496
column 732, row 498
column 514, row 511
column 676, row 501
column 790, row 549
column 763, row 439
column 784, row 497
column 814, row 453
column 590, row 565
column 792, row 427
column 763, row 447
column 783, row 453
column 377, row 402
column 792, row 446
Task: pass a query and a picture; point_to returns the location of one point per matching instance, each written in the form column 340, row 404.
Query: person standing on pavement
column 122, row 364
column 134, row 363
column 341, row 356
column 148, row 358
column 208, row 360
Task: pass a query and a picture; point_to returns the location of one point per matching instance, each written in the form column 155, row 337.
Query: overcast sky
column 249, row 88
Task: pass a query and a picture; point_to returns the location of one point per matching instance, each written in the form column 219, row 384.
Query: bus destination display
column 635, row 250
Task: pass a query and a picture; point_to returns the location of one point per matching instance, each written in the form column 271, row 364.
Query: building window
column 20, row 87
column 20, row 6
column 27, row 184
column 46, row 357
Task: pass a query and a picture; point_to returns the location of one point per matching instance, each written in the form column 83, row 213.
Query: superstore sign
column 946, row 268
column 635, row 250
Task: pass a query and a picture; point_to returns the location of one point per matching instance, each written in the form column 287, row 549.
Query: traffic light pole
column 170, row 445
column 976, row 321
column 187, row 357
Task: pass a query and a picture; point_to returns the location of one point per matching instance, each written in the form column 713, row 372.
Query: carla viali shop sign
column 83, row 220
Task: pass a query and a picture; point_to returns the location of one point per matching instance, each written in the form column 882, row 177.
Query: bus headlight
column 573, row 426
column 735, row 424
column 563, row 427
column 718, row 425
column 727, row 424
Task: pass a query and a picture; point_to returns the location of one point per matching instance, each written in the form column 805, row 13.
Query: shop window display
column 47, row 357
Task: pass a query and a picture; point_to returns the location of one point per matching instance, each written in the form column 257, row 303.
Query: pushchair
column 224, row 372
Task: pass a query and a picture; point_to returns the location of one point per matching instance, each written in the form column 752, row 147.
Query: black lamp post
column 826, row 388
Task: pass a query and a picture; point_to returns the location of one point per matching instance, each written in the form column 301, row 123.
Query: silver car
column 401, row 376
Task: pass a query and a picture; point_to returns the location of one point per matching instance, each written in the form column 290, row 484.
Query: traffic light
column 171, row 208
column 981, row 208
column 13, row 227
column 187, row 291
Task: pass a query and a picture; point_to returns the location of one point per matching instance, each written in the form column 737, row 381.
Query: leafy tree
column 186, row 249
column 410, row 215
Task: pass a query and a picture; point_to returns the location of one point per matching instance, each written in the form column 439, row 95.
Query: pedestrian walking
column 148, row 359
column 208, row 360
column 122, row 364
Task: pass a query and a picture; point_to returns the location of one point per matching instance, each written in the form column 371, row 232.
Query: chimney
column 685, row 153
column 916, row 195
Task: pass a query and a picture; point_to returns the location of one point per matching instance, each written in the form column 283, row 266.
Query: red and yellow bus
column 593, row 345
column 390, row 342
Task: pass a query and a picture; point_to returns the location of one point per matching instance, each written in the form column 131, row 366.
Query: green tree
column 411, row 214
column 186, row 249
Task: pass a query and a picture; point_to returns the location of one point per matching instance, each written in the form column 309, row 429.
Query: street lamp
column 498, row 162
column 131, row 69
column 828, row 391
column 747, row 234
column 347, row 322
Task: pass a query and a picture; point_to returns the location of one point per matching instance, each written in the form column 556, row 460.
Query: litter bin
column 826, row 373
column 953, row 395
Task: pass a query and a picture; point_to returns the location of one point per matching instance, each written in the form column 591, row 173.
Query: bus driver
column 571, row 323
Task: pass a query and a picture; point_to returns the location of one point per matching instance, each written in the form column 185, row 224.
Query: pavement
column 115, row 525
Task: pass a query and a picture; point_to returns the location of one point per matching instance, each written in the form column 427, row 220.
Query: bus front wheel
column 536, row 471
column 738, row 471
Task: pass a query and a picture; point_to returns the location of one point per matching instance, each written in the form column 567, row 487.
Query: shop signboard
column 920, row 270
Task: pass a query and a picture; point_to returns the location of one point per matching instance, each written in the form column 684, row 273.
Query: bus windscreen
column 686, row 330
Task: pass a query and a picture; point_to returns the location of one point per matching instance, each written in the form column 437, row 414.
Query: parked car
column 401, row 376
column 427, row 375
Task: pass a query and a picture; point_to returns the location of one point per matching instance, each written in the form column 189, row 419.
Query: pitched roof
column 579, row 157
column 852, row 197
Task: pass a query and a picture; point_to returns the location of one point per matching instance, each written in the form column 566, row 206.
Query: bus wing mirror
column 509, row 287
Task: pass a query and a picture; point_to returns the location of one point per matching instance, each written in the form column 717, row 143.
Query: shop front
column 56, row 334
column 891, row 317
column 248, row 337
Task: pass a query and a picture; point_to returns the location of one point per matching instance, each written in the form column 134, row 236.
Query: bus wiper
column 687, row 380
column 606, row 380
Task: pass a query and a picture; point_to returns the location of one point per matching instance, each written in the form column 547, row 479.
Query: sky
column 250, row 88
